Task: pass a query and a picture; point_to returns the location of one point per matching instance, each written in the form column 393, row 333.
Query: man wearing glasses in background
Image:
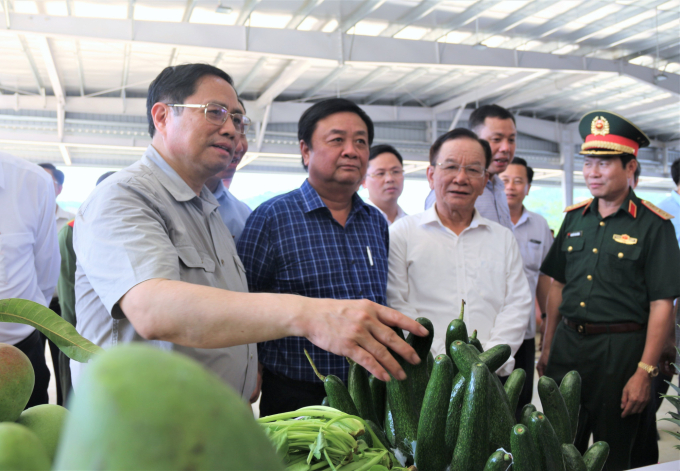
column 385, row 181
column 451, row 253
column 156, row 263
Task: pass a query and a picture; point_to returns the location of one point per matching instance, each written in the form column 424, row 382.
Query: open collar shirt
column 534, row 239
column 234, row 213
column 400, row 212
column 292, row 244
column 29, row 253
column 431, row 270
column 146, row 223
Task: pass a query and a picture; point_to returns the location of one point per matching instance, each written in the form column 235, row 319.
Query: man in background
column 29, row 256
column 534, row 239
column 234, row 212
column 57, row 175
column 496, row 125
column 385, row 181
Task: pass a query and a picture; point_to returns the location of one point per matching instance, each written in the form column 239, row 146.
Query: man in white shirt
column 534, row 239
column 496, row 125
column 385, row 181
column 57, row 175
column 29, row 256
column 451, row 253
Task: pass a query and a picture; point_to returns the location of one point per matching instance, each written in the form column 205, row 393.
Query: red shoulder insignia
column 632, row 209
column 71, row 222
column 659, row 212
column 585, row 203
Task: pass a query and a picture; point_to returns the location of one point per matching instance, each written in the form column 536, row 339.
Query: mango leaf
column 63, row 334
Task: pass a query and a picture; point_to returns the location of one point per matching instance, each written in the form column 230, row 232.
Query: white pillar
column 567, row 161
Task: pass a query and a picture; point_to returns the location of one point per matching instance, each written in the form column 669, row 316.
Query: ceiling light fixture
column 224, row 9
column 479, row 47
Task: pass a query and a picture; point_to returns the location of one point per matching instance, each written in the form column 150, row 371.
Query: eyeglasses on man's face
column 218, row 115
column 452, row 169
column 382, row 174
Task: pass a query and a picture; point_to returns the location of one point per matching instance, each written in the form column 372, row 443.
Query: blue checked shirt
column 292, row 244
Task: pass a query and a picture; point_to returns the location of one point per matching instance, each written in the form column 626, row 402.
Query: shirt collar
column 219, row 191
column 171, row 180
column 524, row 217
column 629, row 206
column 400, row 212
column 430, row 216
column 312, row 201
column 674, row 195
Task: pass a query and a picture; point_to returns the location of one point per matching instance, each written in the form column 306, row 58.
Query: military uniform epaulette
column 659, row 212
column 578, row 205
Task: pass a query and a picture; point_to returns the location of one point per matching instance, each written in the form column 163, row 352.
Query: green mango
column 46, row 421
column 138, row 407
column 16, row 382
column 21, row 450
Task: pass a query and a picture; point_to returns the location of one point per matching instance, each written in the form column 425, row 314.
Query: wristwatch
column 653, row 371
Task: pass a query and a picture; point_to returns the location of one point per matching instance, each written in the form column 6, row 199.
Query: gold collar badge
column 625, row 239
column 599, row 126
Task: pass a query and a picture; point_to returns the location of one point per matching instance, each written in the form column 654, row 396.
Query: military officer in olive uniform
column 615, row 267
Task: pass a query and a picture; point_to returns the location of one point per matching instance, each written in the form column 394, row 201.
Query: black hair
column 56, row 173
column 383, row 149
column 638, row 171
column 675, row 171
column 459, row 133
column 522, row 162
column 175, row 83
column 323, row 109
column 241, row 102
column 488, row 111
column 104, row 176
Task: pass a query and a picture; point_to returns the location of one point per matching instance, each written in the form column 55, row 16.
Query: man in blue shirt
column 320, row 241
column 233, row 212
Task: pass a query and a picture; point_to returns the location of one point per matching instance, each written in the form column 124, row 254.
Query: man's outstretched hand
column 362, row 331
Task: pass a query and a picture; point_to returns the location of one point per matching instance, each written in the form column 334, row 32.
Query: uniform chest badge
column 625, row 239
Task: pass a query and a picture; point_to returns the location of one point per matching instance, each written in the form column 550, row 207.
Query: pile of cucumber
column 452, row 412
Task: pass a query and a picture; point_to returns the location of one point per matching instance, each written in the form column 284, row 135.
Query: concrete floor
column 667, row 452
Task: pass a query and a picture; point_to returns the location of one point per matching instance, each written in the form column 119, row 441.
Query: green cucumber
column 501, row 418
column 337, row 393
column 473, row 438
column 570, row 387
column 496, row 356
column 596, row 456
column 457, row 330
column 418, row 375
column 378, row 395
column 473, row 340
column 513, row 386
column 524, row 453
column 527, row 410
column 547, row 443
column 378, row 433
column 389, row 425
column 453, row 413
column 403, row 414
column 325, row 402
column 360, row 392
column 430, row 363
column 431, row 447
column 498, row 461
column 555, row 408
column 573, row 460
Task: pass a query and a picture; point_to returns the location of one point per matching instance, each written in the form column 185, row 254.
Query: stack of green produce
column 452, row 412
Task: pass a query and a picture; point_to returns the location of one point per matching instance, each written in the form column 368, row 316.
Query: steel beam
column 241, row 86
column 444, row 79
column 31, row 62
column 248, row 7
column 302, row 13
column 292, row 72
column 532, row 93
column 330, row 78
column 365, row 9
column 416, row 13
column 405, row 80
column 380, row 71
column 461, row 19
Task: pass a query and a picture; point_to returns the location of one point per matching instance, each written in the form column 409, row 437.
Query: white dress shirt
column 400, row 212
column 29, row 252
column 534, row 239
column 431, row 269
column 492, row 204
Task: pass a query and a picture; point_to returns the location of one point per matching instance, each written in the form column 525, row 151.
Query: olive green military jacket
column 67, row 274
column 613, row 267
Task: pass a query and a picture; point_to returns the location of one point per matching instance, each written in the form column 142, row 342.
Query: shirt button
column 594, row 250
column 620, row 254
column 602, row 223
column 583, row 304
column 590, row 277
column 222, row 260
column 570, row 248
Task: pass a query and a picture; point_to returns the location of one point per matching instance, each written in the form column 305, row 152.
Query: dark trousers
column 56, row 354
column 281, row 394
column 34, row 349
column 646, row 447
column 525, row 358
column 605, row 362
